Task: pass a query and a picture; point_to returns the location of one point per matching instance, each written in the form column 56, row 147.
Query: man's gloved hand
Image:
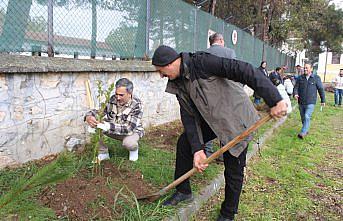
column 105, row 126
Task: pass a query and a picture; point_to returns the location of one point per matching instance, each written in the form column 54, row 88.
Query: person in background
column 298, row 71
column 338, row 85
column 287, row 82
column 217, row 48
column 263, row 70
column 276, row 74
column 123, row 120
column 305, row 92
column 284, row 94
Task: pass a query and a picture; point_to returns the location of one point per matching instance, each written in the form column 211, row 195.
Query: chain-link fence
column 120, row 29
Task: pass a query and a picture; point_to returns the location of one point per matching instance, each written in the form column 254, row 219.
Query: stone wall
column 43, row 101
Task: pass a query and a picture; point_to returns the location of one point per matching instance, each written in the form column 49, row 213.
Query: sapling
column 98, row 138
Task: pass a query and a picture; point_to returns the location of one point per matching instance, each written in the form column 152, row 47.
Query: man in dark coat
column 305, row 92
column 276, row 75
column 210, row 107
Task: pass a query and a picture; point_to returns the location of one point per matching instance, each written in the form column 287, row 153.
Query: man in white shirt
column 338, row 84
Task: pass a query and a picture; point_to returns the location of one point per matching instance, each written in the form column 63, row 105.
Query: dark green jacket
column 205, row 94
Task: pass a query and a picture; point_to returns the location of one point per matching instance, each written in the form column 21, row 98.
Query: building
column 329, row 64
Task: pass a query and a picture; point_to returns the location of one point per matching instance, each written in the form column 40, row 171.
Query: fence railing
column 122, row 29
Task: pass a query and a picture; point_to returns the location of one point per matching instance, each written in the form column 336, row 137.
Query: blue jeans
column 306, row 113
column 338, row 96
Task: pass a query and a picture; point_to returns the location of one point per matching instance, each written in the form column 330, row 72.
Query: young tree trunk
column 212, row 7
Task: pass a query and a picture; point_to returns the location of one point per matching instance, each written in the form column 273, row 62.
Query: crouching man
column 122, row 121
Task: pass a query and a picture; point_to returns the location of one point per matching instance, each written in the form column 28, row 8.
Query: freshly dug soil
column 83, row 197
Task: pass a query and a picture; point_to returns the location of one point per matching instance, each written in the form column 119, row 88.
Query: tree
column 17, row 21
column 37, row 24
column 135, row 11
column 312, row 24
column 13, row 31
column 93, row 4
column 121, row 39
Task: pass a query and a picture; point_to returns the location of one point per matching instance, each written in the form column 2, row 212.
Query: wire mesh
column 123, row 29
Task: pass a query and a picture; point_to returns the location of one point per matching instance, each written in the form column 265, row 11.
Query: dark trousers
column 234, row 173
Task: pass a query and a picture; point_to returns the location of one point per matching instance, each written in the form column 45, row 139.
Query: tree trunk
column 212, row 6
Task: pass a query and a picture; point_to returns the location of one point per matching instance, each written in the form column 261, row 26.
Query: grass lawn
column 294, row 179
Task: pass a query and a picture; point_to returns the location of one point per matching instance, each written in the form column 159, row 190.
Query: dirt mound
column 84, row 197
column 165, row 136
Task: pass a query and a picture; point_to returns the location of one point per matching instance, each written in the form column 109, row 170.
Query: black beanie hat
column 164, row 55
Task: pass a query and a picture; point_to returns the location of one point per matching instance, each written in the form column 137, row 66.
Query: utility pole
column 147, row 28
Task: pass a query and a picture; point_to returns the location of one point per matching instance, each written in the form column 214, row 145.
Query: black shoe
column 178, row 197
column 222, row 218
column 301, row 136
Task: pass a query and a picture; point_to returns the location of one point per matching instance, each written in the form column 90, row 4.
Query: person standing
column 298, row 71
column 210, row 107
column 263, row 69
column 338, row 85
column 217, row 48
column 305, row 92
column 277, row 74
column 287, row 82
column 284, row 94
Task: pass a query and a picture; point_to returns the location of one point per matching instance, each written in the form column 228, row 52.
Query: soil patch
column 83, row 197
column 165, row 136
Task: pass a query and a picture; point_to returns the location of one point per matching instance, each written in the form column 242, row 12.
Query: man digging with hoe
column 210, row 107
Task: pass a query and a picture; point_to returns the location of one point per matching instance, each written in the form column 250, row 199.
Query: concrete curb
column 186, row 212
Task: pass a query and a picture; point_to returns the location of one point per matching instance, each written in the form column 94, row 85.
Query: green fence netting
column 123, row 29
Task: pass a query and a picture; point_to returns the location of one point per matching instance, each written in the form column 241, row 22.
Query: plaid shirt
column 124, row 120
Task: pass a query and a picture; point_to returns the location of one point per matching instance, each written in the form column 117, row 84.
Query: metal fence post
column 195, row 29
column 94, row 29
column 50, row 29
column 147, row 27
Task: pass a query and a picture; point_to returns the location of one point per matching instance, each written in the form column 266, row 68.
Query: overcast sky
column 338, row 3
